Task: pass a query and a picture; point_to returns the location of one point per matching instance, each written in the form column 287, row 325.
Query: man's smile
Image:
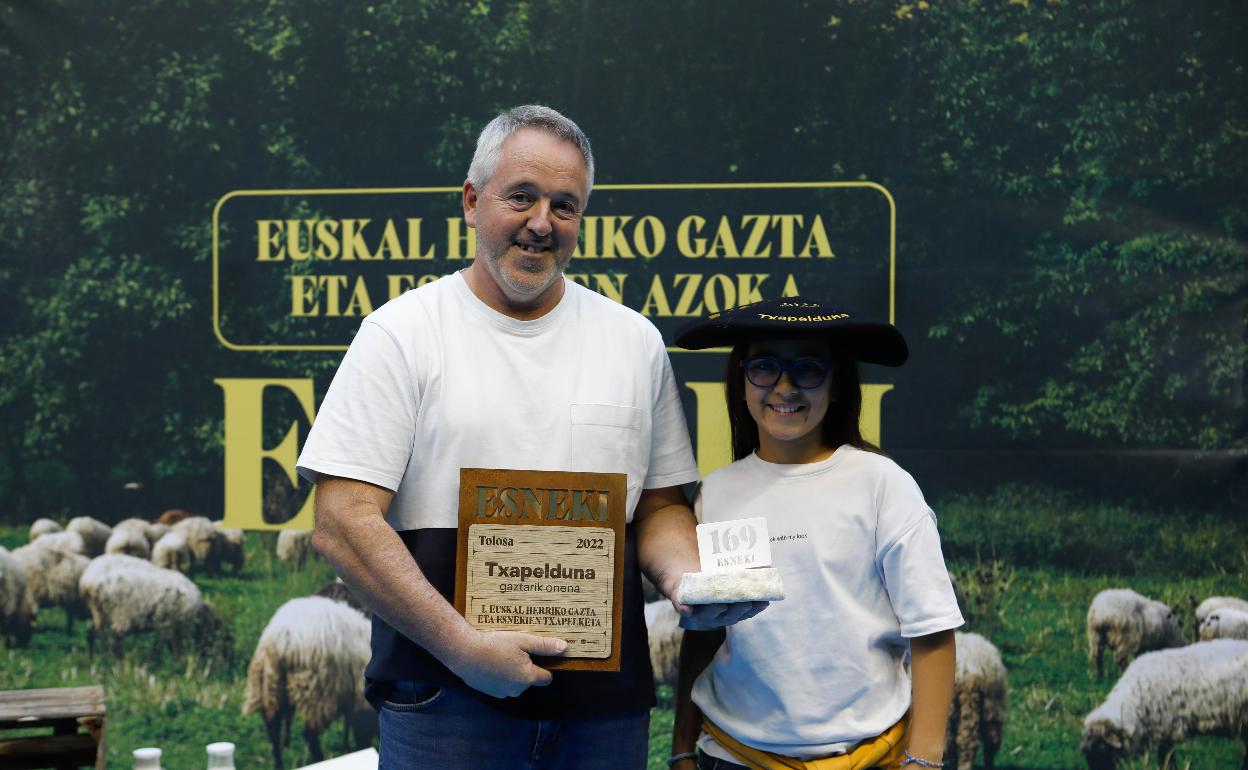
column 532, row 249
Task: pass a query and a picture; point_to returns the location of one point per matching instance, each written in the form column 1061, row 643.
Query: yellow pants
column 883, row 750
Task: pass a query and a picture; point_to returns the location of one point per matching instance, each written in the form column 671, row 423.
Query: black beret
column 864, row 339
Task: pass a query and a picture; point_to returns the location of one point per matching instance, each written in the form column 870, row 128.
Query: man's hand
column 351, row 532
column 667, row 547
column 707, row 617
column 498, row 663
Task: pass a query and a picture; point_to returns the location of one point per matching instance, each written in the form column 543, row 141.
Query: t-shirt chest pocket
column 607, row 438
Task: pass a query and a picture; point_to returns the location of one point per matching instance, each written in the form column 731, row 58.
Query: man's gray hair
column 490, row 142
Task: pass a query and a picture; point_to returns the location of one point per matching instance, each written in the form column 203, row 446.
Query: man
column 506, row 364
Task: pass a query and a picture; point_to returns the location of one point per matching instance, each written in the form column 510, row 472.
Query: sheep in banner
column 203, row 539
column 979, row 701
column 1217, row 603
column 69, row 542
column 150, row 532
column 294, row 546
column 52, row 577
column 127, row 596
column 1167, row 697
column 172, row 516
column 310, row 659
column 1129, row 624
column 338, row 591
column 128, row 541
column 663, row 628
column 231, row 547
column 1225, row 623
column 94, row 533
column 17, row 610
column 173, row 552
column 43, row 527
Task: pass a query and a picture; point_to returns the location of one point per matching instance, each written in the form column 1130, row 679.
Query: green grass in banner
column 1031, row 526
column 179, row 704
column 1027, row 560
column 1040, row 633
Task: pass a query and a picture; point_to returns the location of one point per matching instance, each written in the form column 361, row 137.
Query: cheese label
column 733, row 545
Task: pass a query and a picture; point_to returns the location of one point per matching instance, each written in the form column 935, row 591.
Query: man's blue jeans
column 447, row 728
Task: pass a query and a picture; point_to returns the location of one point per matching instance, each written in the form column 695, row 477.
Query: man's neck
column 485, row 289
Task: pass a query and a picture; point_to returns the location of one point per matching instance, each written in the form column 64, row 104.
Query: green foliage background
column 1069, row 177
column 1070, row 181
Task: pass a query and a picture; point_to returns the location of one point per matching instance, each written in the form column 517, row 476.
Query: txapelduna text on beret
column 864, row 339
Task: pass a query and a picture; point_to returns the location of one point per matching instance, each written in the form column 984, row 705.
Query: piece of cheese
column 761, row 584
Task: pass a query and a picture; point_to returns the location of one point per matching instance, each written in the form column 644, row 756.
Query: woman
column 818, row 680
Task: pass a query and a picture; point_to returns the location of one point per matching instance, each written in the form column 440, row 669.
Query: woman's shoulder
column 867, row 459
column 730, row 472
column 860, row 462
column 879, row 467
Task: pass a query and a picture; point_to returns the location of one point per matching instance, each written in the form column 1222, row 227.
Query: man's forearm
column 667, row 547
column 372, row 560
column 370, row 557
column 667, row 543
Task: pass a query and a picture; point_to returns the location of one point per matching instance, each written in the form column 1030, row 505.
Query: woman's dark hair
column 840, row 424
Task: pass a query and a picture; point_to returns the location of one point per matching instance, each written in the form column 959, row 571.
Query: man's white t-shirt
column 858, row 550
column 436, row 380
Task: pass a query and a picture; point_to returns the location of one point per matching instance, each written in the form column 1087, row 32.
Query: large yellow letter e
column 245, row 452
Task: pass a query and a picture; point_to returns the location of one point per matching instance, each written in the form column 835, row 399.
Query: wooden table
column 66, row 710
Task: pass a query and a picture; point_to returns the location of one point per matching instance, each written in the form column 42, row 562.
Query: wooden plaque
column 543, row 552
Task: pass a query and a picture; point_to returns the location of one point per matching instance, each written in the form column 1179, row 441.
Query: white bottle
column 147, row 759
column 221, row 756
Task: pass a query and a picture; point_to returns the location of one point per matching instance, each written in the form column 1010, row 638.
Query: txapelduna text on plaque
column 543, row 552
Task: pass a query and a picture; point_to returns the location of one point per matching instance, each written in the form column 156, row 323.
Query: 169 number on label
column 736, row 544
column 745, row 536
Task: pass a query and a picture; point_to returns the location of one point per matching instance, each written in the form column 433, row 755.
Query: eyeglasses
column 805, row 373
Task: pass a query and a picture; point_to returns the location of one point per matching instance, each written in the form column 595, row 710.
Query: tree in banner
column 123, row 124
column 1068, row 181
column 1126, row 321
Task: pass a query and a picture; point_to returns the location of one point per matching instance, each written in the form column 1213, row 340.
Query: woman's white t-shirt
column 858, row 550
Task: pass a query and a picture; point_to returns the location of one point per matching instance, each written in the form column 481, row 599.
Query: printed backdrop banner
column 200, row 201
